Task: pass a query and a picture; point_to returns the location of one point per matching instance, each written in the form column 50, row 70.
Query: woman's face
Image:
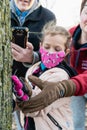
column 23, row 5
column 83, row 19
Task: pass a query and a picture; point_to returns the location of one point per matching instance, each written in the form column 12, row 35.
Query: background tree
column 5, row 67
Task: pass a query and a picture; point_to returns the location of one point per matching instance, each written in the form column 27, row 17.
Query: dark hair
column 82, row 5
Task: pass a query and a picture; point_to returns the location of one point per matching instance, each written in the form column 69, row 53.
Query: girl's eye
column 46, row 47
column 57, row 49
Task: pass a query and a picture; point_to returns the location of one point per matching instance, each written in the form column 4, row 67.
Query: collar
column 76, row 37
column 42, row 66
column 77, row 33
column 19, row 13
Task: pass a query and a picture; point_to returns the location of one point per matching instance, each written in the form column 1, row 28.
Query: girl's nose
column 51, row 50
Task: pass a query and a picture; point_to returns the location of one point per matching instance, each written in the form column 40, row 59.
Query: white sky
column 66, row 11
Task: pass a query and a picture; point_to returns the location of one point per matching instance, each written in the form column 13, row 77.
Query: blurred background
column 66, row 11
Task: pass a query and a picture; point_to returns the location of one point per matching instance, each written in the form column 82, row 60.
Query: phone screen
column 20, row 36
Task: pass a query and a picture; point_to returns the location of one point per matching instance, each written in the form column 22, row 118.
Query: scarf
column 22, row 15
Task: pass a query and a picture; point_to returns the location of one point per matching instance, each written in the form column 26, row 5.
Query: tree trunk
column 5, row 67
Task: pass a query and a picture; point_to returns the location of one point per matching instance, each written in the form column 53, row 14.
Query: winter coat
column 35, row 22
column 59, row 110
column 78, row 55
column 78, row 60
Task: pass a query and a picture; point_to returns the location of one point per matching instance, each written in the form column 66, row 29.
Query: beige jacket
column 59, row 110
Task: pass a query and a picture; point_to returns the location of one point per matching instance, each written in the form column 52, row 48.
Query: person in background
column 79, row 62
column 54, row 48
column 28, row 13
column 75, row 86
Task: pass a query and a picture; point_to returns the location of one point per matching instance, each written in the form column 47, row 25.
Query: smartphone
column 20, row 36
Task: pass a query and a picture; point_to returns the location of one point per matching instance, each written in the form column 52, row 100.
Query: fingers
column 16, row 47
column 22, row 54
column 16, row 52
column 34, row 104
column 32, row 109
column 19, row 49
column 29, row 46
column 38, row 82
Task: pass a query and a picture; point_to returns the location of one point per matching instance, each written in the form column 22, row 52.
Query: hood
column 77, row 33
column 76, row 36
column 34, row 7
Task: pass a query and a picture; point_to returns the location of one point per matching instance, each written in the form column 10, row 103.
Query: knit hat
column 82, row 5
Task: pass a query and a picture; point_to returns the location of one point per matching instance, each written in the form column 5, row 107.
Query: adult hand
column 22, row 54
column 51, row 91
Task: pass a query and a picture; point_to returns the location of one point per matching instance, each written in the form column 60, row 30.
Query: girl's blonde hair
column 52, row 29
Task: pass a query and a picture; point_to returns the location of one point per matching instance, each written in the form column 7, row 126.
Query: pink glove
column 20, row 88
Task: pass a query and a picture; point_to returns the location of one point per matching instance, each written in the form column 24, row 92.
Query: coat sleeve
column 81, row 83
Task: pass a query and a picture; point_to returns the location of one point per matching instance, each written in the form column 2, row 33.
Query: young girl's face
column 54, row 43
column 83, row 19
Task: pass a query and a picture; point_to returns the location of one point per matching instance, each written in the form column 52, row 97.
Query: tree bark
column 5, row 67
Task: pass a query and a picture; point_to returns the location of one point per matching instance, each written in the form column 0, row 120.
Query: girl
column 54, row 48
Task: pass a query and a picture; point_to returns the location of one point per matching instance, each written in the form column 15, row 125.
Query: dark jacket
column 35, row 22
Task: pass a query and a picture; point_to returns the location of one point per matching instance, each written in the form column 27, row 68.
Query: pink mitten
column 19, row 88
column 17, row 83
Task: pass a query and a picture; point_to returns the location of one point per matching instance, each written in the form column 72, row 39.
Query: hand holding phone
column 20, row 36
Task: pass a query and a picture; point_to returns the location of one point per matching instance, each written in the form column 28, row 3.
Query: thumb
column 29, row 46
column 38, row 82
